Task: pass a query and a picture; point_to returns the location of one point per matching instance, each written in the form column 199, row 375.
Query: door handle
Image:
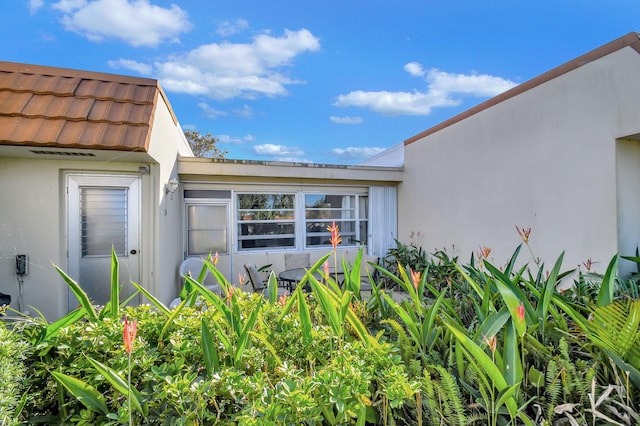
column 134, row 251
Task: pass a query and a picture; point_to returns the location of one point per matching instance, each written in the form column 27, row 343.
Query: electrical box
column 22, row 264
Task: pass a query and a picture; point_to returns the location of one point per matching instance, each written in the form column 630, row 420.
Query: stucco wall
column 164, row 222
column 544, row 159
column 33, row 222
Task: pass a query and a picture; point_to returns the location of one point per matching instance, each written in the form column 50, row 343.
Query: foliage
column 465, row 344
column 13, row 352
column 204, row 145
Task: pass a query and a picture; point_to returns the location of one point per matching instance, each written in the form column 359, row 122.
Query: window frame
column 300, row 219
column 238, row 222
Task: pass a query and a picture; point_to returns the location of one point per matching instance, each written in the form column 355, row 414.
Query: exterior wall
column 544, row 159
column 33, row 222
column 164, row 223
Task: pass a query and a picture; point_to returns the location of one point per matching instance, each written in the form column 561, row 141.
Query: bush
column 13, row 352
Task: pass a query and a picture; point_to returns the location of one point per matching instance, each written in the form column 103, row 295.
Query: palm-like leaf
column 616, row 328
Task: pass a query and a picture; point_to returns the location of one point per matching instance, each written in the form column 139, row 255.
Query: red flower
column 129, row 334
column 524, row 233
column 484, row 252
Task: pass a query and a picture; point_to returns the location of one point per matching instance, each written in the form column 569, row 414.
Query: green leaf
column 607, row 287
column 209, row 350
column 486, row 363
column 244, row 337
column 119, row 384
column 512, row 364
column 305, row 318
column 328, row 306
column 492, row 325
column 80, row 294
column 83, row 392
column 549, row 289
column 173, row 314
column 54, row 328
column 114, row 302
column 157, row 303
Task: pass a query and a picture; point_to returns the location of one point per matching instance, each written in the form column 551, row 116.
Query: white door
column 103, row 212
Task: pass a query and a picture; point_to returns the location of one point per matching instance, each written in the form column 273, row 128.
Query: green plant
column 14, row 350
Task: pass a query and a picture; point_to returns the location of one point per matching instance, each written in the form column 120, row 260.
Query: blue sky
column 328, row 82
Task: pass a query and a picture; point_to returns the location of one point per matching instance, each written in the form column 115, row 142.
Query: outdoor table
column 295, row 275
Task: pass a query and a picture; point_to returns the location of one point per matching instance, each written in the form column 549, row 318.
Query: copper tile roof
column 64, row 108
column 629, row 40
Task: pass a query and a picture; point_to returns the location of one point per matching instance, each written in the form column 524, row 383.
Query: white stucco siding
column 544, row 159
column 165, row 222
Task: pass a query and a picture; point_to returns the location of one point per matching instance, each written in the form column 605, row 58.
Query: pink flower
column 335, row 235
column 241, row 279
column 326, row 267
column 416, row 277
column 588, row 264
column 524, row 233
column 129, row 334
column 520, row 311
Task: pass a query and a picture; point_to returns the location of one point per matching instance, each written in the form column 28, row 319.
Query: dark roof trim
column 630, row 40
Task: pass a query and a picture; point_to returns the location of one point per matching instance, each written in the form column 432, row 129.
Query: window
column 207, row 229
column 266, row 220
column 350, row 213
column 103, row 217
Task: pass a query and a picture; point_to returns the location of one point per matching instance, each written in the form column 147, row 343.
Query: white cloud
column 140, row 68
column 227, row 70
column 441, row 88
column 414, row 68
column 228, row 28
column 211, row 112
column 346, row 120
column 235, row 140
column 136, row 22
column 244, row 112
column 35, row 5
column 353, row 152
column 278, row 151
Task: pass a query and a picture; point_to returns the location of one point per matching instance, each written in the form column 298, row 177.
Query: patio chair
column 257, row 283
column 297, row 260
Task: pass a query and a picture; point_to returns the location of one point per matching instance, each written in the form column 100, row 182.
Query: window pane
column 266, row 220
column 321, row 210
column 207, row 229
column 202, row 217
column 103, row 218
column 207, row 242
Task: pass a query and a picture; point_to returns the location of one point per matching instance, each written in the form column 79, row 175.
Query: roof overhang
column 53, row 153
column 208, row 169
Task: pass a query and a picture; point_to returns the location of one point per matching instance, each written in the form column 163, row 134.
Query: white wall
column 164, row 222
column 33, row 222
column 544, row 159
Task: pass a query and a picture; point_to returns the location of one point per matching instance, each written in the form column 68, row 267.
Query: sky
column 331, row 82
